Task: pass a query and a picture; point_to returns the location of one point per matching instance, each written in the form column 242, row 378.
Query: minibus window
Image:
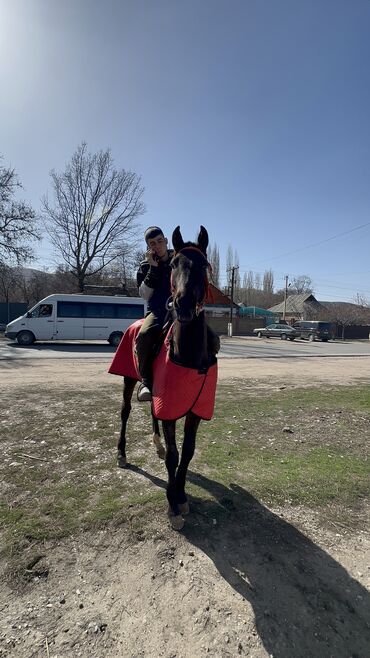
column 69, row 310
column 41, row 311
column 129, row 311
column 94, row 310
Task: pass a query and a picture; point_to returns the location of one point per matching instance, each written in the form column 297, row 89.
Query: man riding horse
column 154, row 282
column 185, row 370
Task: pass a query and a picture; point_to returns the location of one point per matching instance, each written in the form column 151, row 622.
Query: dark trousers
column 146, row 343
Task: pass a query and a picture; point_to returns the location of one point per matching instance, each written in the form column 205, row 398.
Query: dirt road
column 297, row 372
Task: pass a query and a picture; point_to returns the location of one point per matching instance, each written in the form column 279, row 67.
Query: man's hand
column 151, row 258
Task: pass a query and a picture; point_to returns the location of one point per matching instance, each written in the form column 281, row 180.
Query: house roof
column 217, row 298
column 254, row 310
column 297, row 303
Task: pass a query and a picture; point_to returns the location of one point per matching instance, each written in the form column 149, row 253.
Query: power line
column 316, row 244
column 310, row 246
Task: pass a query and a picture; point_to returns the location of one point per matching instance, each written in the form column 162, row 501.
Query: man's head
column 156, row 241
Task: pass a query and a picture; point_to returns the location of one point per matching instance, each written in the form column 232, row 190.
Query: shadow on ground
column 305, row 603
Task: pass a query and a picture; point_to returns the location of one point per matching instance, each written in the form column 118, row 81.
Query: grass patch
column 305, row 446
column 58, row 474
column 313, row 479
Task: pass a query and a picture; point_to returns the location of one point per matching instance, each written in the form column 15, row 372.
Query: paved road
column 241, row 348
column 265, row 348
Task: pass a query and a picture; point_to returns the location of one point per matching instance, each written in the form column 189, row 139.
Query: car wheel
column 283, row 336
column 324, row 340
column 25, row 338
column 115, row 338
column 311, row 338
column 260, row 334
column 291, row 337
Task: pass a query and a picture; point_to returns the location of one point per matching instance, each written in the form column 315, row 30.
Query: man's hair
column 152, row 232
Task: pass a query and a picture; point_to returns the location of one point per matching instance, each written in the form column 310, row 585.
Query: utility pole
column 285, row 295
column 232, row 270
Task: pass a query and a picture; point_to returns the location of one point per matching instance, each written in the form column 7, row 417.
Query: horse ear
column 177, row 241
column 203, row 240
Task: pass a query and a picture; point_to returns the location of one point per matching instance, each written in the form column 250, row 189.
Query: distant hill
column 28, row 272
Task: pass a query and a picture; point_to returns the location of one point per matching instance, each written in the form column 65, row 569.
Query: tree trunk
column 81, row 282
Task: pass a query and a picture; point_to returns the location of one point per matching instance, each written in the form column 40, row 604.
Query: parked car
column 282, row 331
column 314, row 330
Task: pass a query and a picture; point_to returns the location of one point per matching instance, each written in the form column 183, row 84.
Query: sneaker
column 144, row 393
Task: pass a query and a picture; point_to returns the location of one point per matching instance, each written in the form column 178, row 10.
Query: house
column 218, row 304
column 350, row 320
column 217, row 310
column 299, row 307
column 257, row 312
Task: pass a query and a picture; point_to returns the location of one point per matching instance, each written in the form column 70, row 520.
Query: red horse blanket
column 176, row 389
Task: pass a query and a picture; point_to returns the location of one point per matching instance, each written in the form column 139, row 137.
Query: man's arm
column 147, row 279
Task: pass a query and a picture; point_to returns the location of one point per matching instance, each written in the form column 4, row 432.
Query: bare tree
column 301, row 284
column 64, row 281
column 268, row 281
column 10, row 279
column 229, row 265
column 248, row 286
column 232, row 262
column 237, row 285
column 95, row 208
column 344, row 314
column 214, row 260
column 257, row 281
column 361, row 300
column 123, row 271
column 34, row 285
column 17, row 221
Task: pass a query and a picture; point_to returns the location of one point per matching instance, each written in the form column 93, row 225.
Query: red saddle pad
column 176, row 389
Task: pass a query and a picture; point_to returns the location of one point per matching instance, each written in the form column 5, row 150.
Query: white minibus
column 77, row 317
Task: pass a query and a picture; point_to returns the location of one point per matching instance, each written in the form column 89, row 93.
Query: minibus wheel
column 25, row 338
column 114, row 339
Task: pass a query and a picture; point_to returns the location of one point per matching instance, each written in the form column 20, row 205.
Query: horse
column 189, row 355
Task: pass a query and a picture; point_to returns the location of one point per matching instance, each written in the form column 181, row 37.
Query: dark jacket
column 158, row 279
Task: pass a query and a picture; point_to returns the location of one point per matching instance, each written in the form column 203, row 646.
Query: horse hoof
column 177, row 522
column 184, row 508
column 122, row 461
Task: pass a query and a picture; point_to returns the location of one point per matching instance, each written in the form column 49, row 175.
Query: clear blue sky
column 251, row 117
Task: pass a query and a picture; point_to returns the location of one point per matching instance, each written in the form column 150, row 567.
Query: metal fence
column 11, row 310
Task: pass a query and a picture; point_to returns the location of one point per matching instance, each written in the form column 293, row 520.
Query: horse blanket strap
column 176, row 389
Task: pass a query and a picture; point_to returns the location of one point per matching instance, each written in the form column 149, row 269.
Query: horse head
column 189, row 277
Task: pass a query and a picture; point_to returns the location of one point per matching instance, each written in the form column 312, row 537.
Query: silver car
column 283, row 331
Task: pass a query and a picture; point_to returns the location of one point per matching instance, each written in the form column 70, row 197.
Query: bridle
column 199, row 305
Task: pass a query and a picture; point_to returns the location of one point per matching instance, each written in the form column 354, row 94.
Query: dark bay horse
column 192, row 347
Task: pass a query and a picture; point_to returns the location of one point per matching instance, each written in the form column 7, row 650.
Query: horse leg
column 188, row 447
column 161, row 452
column 128, row 389
column 172, row 460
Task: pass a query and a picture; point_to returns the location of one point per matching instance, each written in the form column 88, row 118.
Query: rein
column 199, row 305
